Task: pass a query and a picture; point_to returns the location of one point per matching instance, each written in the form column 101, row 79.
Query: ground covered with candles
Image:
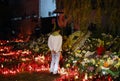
column 84, row 58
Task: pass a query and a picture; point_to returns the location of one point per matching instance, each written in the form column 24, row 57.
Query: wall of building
column 26, row 14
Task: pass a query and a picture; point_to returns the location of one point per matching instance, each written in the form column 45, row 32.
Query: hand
column 54, row 52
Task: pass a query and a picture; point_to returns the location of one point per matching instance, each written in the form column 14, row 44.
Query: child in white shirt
column 55, row 46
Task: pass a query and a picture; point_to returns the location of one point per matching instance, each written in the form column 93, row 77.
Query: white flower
column 92, row 61
column 74, row 61
column 83, row 63
column 84, row 51
column 88, row 53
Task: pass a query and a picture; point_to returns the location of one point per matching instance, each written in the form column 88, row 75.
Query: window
column 46, row 8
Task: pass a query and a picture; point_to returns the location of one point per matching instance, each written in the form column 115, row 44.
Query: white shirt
column 55, row 43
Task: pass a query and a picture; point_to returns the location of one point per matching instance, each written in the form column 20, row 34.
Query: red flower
column 2, row 59
column 109, row 78
column 100, row 50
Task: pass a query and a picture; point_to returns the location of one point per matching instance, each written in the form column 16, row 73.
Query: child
column 55, row 46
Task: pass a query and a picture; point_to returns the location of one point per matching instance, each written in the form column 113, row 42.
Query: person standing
column 55, row 46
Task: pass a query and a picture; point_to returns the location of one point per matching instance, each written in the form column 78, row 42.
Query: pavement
column 42, row 76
